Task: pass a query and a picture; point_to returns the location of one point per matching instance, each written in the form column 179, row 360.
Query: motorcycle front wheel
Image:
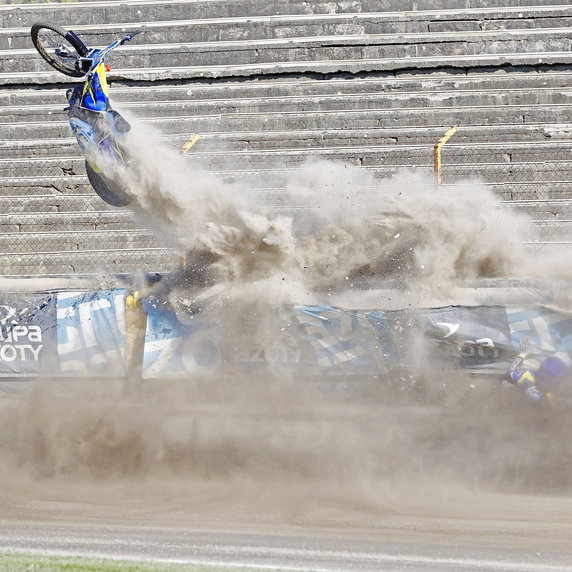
column 107, row 190
column 61, row 48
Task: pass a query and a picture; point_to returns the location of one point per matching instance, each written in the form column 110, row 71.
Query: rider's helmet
column 553, row 370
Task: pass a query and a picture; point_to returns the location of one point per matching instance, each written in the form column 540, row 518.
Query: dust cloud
column 279, row 451
column 342, row 227
column 317, row 450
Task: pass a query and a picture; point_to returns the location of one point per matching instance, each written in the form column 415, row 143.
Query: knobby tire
column 109, row 192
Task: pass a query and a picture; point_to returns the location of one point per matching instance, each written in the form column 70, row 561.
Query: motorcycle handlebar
column 130, row 36
column 100, row 55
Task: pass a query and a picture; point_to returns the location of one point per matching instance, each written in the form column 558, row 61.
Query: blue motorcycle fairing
column 93, row 97
column 84, row 133
column 89, row 140
column 107, row 148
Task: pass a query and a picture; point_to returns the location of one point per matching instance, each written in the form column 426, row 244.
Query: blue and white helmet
column 553, row 371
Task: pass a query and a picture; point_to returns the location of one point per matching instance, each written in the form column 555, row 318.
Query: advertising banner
column 28, row 335
column 358, row 341
column 326, row 340
column 84, row 334
column 546, row 329
column 468, row 337
column 91, row 333
column 174, row 349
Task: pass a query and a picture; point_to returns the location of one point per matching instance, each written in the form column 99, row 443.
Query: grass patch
column 35, row 563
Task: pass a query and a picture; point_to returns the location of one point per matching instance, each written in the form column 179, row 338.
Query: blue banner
column 91, row 333
column 325, row 340
column 83, row 334
column 546, row 329
column 174, row 349
column 357, row 341
column 468, row 337
column 28, row 335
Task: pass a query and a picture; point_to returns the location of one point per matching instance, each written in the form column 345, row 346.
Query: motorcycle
column 100, row 130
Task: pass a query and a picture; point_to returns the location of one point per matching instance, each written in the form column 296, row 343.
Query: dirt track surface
column 537, row 538
column 288, row 475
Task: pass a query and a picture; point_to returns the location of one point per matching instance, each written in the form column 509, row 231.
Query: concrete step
column 268, row 186
column 30, row 200
column 76, row 241
column 508, row 182
column 413, row 155
column 43, row 168
column 318, row 48
column 55, row 188
column 541, row 229
column 264, row 180
column 85, row 262
column 551, row 189
column 548, row 223
column 107, row 220
column 455, row 158
column 538, row 60
column 70, row 14
column 331, row 102
column 58, row 240
column 553, row 231
column 530, row 179
column 319, row 54
column 537, row 209
column 549, row 210
column 514, row 153
column 409, row 85
column 496, row 171
column 39, row 146
column 140, row 12
column 207, row 28
column 549, row 174
column 549, row 121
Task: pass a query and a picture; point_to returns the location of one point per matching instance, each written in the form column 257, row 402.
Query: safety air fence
column 115, row 333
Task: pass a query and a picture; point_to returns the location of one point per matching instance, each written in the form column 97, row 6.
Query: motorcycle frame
column 96, row 134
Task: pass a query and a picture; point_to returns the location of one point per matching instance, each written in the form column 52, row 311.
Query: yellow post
column 437, row 154
column 184, row 150
column 187, row 146
column 135, row 326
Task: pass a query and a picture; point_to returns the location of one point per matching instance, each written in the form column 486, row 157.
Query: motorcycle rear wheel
column 49, row 40
column 109, row 192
